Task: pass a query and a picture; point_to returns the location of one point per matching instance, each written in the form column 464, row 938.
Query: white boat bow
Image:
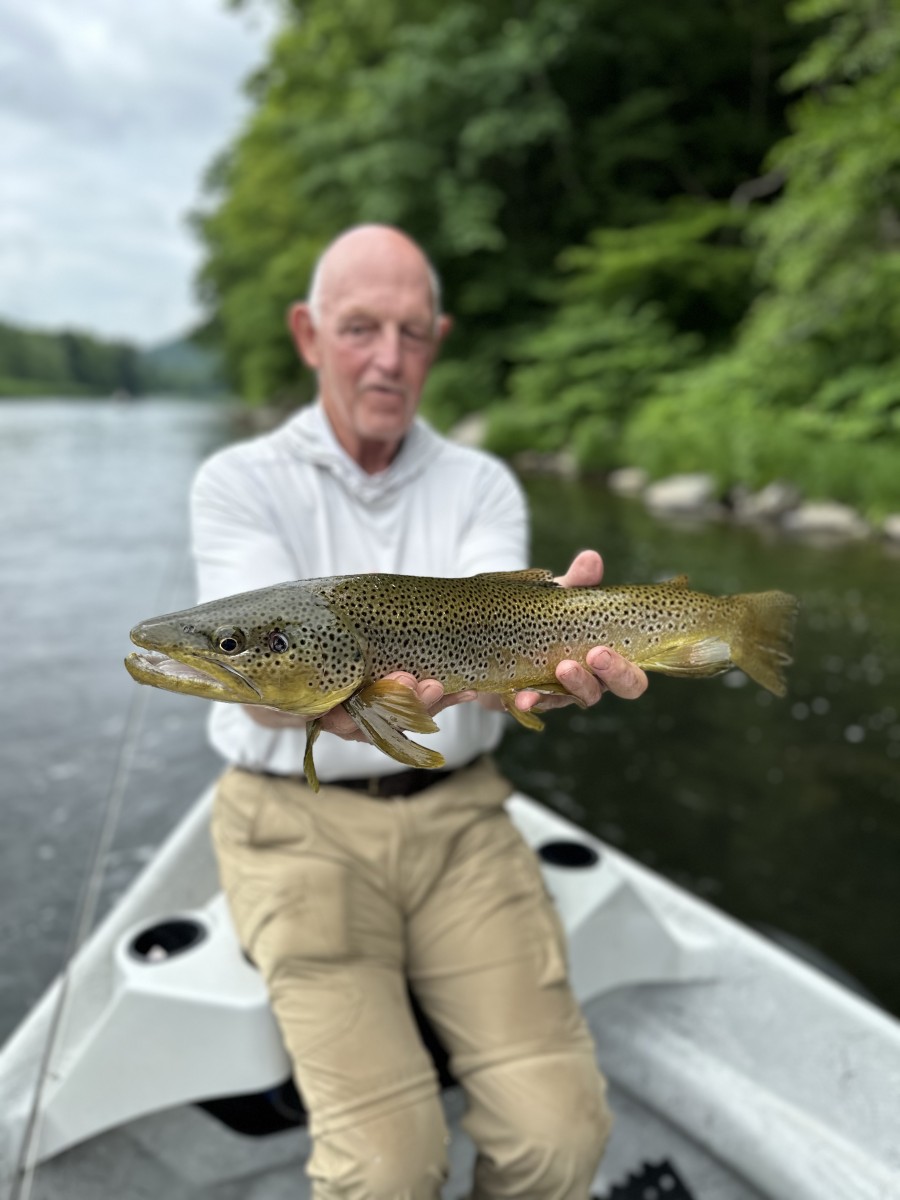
column 756, row 1074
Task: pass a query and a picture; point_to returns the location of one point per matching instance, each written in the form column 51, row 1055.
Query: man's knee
column 399, row 1156
column 541, row 1130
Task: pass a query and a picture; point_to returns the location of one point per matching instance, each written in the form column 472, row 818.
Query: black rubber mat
column 652, row 1181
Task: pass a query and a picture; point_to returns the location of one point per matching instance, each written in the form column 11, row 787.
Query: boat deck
column 756, row 1076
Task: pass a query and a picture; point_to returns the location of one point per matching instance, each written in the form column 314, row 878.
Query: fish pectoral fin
column 383, row 710
column 707, row 656
column 398, row 705
column 530, row 720
column 313, row 729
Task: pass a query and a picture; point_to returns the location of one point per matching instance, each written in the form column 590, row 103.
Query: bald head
column 370, row 330
column 378, row 248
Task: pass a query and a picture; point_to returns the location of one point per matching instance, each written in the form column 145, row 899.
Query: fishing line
column 86, row 909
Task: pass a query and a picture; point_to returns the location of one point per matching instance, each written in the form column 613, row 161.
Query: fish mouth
column 214, row 681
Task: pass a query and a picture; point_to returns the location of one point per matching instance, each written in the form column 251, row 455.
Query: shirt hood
column 311, row 438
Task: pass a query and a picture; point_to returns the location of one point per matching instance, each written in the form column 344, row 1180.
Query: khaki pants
column 339, row 899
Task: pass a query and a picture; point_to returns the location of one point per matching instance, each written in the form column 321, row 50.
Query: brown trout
column 307, row 646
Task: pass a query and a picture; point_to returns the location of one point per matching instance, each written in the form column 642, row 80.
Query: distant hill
column 68, row 362
column 182, row 365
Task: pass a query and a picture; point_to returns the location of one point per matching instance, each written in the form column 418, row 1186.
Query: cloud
column 110, row 113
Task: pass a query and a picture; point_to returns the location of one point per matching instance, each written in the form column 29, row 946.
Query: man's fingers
column 585, row 570
column 609, row 672
column 431, row 693
column 616, row 673
column 583, row 685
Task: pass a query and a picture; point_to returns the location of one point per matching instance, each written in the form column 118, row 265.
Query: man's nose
column 388, row 350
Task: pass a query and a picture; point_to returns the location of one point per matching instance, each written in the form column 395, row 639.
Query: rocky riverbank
column 780, row 504
column 697, row 497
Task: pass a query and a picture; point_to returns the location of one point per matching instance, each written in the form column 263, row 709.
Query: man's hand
column 608, row 671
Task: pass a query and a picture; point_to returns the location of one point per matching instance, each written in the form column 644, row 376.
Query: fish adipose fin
column 383, row 710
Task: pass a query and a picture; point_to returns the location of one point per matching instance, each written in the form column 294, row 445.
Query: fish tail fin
column 762, row 644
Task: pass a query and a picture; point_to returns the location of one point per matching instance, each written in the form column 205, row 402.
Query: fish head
column 281, row 646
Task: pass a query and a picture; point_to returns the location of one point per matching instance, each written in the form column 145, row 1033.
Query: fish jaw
column 186, row 670
column 209, row 681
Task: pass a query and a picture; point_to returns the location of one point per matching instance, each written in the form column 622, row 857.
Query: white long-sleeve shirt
column 292, row 504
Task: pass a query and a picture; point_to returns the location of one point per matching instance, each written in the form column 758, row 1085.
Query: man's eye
column 279, row 643
column 416, row 337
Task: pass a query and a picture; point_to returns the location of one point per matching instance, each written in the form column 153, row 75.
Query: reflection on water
column 786, row 813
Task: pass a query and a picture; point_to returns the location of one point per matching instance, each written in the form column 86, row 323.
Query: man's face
column 372, row 346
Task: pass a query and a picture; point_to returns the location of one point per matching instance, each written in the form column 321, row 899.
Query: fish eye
column 230, row 641
column 279, row 643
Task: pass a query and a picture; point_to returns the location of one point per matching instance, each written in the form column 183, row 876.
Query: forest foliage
column 669, row 234
column 33, row 362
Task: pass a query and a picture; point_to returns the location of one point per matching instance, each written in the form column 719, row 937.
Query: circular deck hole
column 163, row 941
column 568, row 853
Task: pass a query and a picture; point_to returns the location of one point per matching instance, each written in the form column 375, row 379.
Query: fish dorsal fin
column 527, row 575
column 677, row 581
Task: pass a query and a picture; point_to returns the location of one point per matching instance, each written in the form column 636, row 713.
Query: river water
column 784, row 813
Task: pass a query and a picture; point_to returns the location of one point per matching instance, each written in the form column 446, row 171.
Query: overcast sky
column 110, row 112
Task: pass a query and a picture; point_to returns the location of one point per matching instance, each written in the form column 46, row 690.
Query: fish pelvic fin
column 762, row 645
column 313, row 729
column 383, row 710
column 530, row 720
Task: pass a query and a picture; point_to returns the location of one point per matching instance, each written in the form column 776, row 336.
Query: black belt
column 390, row 787
column 379, row 787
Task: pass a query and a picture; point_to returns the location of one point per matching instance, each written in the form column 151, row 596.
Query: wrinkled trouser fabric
column 339, row 899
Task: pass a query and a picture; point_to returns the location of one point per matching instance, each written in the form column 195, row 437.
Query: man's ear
column 444, row 326
column 303, row 331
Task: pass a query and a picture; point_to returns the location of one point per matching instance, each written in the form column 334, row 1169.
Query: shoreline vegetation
column 697, row 496
column 67, row 363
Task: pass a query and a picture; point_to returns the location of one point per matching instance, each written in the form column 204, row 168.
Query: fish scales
column 475, row 632
column 307, row 646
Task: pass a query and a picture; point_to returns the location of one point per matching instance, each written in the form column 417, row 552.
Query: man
column 390, row 874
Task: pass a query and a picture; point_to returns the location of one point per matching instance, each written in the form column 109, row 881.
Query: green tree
column 634, row 306
column 810, row 387
column 496, row 134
